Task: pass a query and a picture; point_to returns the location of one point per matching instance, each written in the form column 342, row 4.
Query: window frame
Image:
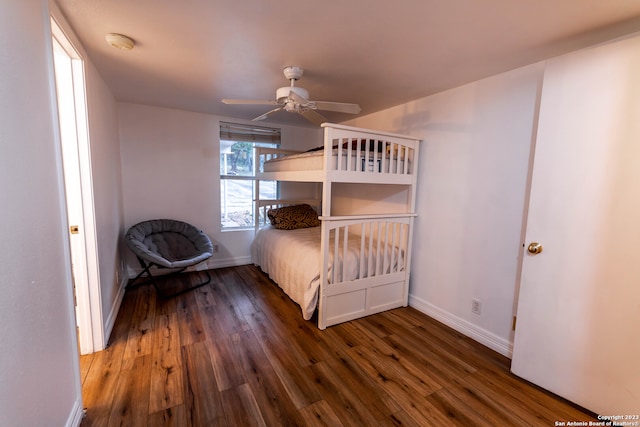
column 269, row 137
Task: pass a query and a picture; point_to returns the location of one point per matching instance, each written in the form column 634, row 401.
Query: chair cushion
column 169, row 243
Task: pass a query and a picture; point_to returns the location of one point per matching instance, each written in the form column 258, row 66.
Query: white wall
column 107, row 189
column 170, row 169
column 472, row 183
column 39, row 378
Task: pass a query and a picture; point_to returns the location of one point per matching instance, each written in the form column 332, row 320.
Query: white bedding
column 314, row 160
column 292, row 259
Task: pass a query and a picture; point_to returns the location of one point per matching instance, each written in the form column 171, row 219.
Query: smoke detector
column 120, row 41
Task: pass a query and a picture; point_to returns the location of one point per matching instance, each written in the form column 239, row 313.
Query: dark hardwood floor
column 238, row 353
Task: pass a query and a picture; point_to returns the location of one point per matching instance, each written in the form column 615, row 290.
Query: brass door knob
column 534, row 248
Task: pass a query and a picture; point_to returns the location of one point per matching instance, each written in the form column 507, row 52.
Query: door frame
column 89, row 319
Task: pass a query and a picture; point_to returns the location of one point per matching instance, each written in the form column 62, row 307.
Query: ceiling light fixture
column 119, row 41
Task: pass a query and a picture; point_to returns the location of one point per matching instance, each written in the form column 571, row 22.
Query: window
column 237, row 173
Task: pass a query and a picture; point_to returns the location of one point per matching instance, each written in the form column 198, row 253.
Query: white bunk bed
column 352, row 265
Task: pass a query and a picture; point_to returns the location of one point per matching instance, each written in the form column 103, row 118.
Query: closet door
column 578, row 327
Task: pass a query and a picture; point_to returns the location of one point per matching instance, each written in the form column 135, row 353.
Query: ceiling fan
column 295, row 99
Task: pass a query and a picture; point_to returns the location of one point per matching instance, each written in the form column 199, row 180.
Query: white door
column 71, row 162
column 72, row 115
column 578, row 329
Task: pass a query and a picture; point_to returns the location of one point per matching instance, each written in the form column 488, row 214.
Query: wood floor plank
column 299, row 389
column 520, row 404
column 442, row 340
column 250, row 404
column 244, row 299
column 369, row 336
column 176, row 285
column 422, row 412
column 241, row 407
column 408, row 393
column 202, row 400
column 131, row 400
column 189, row 321
column 402, row 419
column 237, row 352
column 360, row 383
column 171, row 417
column 396, row 362
column 345, row 334
column 165, row 306
column 546, row 407
column 204, row 296
column 100, row 380
column 443, row 368
column 263, row 326
column 401, row 317
column 320, row 414
column 457, row 411
column 228, row 316
column 85, row 366
column 225, row 361
column 99, row 387
column 345, row 402
column 382, row 326
column 140, row 338
column 389, row 376
column 270, row 394
column 166, row 373
column 495, row 411
column 277, row 307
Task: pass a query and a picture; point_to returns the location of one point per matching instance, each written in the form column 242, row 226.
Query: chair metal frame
column 151, row 279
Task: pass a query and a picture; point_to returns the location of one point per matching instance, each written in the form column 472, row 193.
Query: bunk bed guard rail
column 366, row 261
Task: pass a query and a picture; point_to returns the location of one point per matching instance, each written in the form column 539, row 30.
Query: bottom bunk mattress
column 292, row 259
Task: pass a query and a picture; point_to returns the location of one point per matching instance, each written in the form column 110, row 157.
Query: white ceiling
column 190, row 54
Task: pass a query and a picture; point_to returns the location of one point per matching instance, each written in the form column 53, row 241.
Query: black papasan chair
column 171, row 244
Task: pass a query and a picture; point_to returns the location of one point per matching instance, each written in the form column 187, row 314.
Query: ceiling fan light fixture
column 282, row 94
column 120, row 41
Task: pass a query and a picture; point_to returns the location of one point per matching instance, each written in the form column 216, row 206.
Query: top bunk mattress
column 314, row 160
column 293, row 162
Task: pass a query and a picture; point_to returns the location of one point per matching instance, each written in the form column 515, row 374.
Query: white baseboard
column 113, row 313
column 463, row 326
column 76, row 415
column 228, row 262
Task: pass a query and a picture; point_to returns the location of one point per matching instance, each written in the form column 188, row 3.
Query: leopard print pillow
column 293, row 217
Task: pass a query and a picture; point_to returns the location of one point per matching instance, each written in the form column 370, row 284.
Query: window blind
column 244, row 133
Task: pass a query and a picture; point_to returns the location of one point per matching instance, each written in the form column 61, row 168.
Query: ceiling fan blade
column 249, row 102
column 341, row 107
column 267, row 114
column 314, row 117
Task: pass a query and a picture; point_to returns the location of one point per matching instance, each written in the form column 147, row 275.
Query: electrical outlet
column 476, row 306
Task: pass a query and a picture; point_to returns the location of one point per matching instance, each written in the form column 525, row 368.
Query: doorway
column 74, row 137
